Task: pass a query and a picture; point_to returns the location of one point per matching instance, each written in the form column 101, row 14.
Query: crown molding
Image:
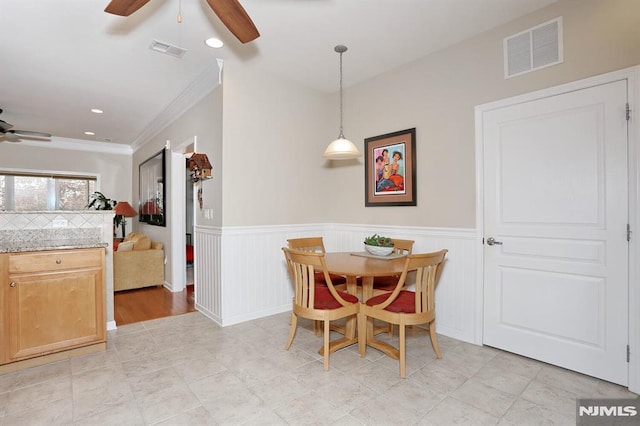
column 81, row 145
column 208, row 80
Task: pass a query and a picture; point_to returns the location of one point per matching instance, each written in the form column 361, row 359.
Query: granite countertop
column 24, row 246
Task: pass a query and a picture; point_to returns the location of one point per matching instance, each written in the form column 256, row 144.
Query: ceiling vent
column 167, row 49
column 533, row 49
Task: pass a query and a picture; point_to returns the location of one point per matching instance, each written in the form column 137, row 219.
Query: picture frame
column 390, row 169
column 151, row 202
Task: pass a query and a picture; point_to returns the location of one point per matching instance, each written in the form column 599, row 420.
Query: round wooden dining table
column 364, row 266
column 361, row 265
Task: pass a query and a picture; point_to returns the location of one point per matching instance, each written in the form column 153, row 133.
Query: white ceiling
column 59, row 58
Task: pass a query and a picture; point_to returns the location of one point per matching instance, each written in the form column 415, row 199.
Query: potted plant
column 98, row 201
column 378, row 245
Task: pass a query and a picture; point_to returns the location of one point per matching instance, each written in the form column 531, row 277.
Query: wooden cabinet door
column 49, row 312
column 4, row 307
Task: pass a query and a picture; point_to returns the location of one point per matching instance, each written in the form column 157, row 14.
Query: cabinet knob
column 58, row 261
column 13, row 284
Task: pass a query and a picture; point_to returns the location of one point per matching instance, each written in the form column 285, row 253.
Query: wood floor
column 144, row 304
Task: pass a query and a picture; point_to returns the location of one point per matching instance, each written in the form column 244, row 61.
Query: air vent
column 167, row 49
column 533, row 49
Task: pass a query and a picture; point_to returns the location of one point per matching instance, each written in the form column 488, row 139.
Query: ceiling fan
column 11, row 135
column 230, row 12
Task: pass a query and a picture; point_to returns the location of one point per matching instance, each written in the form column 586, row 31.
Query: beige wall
column 438, row 93
column 275, row 131
column 203, row 120
column 114, row 170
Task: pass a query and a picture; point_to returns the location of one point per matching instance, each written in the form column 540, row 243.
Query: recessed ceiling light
column 89, row 133
column 214, row 42
column 96, row 111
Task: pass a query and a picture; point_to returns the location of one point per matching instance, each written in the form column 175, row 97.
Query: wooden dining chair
column 403, row 307
column 388, row 283
column 317, row 302
column 316, row 245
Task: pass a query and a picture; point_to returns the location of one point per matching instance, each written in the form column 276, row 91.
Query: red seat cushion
column 335, row 279
column 325, row 300
column 189, row 253
column 405, row 302
column 387, row 283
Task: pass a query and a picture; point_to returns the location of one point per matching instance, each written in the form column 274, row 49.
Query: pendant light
column 341, row 148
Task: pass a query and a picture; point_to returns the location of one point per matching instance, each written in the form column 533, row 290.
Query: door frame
column 632, row 75
column 178, row 228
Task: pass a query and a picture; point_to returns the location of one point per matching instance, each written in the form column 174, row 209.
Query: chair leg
column 434, row 339
column 327, row 332
column 292, row 330
column 402, row 350
column 362, row 333
column 317, row 327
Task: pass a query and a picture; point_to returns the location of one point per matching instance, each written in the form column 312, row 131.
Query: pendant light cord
column 341, row 49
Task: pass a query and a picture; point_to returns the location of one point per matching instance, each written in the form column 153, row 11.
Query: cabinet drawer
column 48, row 261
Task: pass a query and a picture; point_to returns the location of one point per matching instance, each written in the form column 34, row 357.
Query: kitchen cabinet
column 52, row 301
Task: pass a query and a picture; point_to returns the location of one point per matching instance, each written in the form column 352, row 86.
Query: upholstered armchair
column 138, row 262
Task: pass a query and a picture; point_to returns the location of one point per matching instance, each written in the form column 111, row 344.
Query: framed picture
column 390, row 169
column 152, row 191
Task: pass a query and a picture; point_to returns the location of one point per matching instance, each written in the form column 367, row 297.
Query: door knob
column 492, row 241
column 13, row 284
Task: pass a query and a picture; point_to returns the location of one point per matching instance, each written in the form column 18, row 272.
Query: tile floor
column 184, row 370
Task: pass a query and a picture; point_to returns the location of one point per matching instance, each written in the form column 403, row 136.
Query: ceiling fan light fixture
column 341, row 148
column 216, row 43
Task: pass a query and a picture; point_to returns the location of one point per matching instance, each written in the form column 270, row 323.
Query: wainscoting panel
column 243, row 276
column 207, row 272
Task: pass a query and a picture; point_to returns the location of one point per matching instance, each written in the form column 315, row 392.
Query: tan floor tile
column 525, row 413
column 39, row 395
column 451, row 412
column 58, row 412
column 187, row 371
column 484, row 397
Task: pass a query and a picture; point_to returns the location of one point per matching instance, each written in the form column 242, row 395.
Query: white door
column 556, row 202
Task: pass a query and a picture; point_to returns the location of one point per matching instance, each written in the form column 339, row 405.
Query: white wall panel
column 207, row 272
column 250, row 280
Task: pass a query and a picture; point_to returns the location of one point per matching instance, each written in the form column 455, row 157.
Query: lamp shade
column 341, row 149
column 124, row 209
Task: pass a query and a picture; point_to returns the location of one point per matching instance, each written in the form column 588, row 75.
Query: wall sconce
column 200, row 167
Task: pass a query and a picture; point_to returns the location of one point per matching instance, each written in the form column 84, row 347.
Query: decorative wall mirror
column 152, row 191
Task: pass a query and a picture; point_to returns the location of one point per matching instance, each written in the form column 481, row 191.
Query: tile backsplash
column 53, row 225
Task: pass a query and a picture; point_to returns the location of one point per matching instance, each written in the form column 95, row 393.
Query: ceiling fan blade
column 9, row 137
column 235, row 18
column 29, row 133
column 124, row 7
column 4, row 126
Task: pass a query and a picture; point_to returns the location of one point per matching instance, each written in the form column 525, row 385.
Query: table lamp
column 124, row 209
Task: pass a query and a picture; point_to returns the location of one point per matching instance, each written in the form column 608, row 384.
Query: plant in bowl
column 378, row 245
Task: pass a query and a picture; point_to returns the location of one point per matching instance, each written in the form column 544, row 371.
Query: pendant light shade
column 342, row 148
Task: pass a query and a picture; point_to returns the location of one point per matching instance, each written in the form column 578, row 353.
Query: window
column 33, row 192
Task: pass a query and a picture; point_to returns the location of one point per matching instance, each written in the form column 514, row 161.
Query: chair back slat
column 402, row 246
column 312, row 244
column 428, row 266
